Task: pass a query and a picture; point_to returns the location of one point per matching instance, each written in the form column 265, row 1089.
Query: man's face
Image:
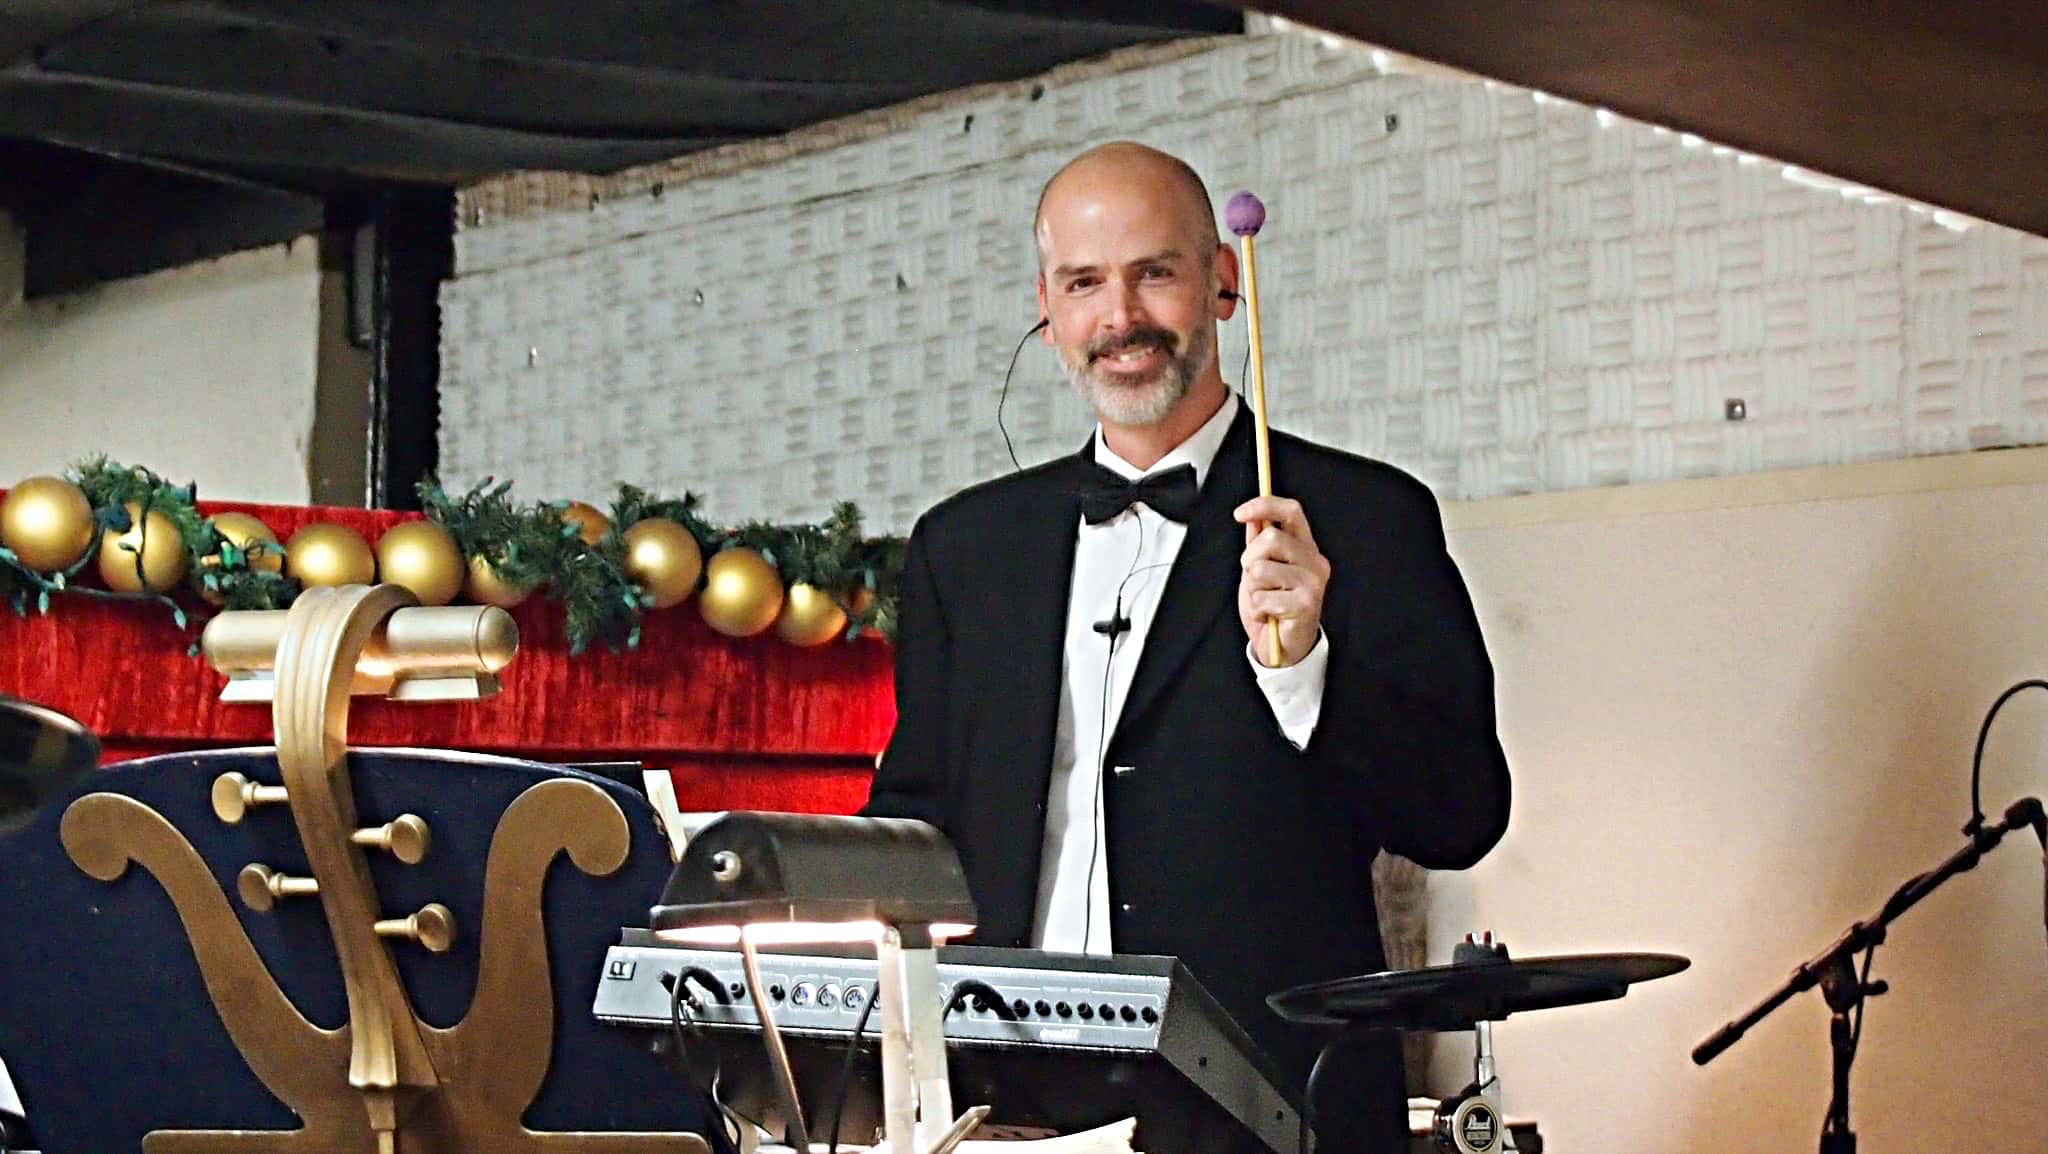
column 1129, row 286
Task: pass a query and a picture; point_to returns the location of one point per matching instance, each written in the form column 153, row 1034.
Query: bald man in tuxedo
column 1084, row 702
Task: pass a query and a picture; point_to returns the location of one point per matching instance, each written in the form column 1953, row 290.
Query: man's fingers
column 1283, row 513
column 1271, row 576
column 1271, row 544
column 1284, row 604
column 1266, row 574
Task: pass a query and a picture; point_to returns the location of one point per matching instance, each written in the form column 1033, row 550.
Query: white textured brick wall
column 1500, row 292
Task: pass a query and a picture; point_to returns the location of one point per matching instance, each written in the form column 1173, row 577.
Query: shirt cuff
column 1295, row 692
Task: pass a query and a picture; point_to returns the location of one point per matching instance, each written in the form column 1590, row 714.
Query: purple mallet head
column 1244, row 214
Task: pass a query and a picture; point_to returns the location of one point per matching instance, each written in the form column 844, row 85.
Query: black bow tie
column 1170, row 494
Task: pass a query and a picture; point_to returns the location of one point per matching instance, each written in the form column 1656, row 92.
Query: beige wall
column 205, row 373
column 1740, row 713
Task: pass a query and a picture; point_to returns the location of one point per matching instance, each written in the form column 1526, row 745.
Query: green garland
column 529, row 545
column 533, row 545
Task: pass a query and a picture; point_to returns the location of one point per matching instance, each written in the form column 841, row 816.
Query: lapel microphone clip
column 1115, row 625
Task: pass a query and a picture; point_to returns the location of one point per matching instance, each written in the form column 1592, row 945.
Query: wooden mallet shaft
column 1245, row 215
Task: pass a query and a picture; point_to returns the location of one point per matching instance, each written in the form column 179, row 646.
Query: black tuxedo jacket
column 1229, row 848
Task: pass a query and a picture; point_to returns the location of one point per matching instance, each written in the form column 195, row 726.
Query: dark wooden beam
column 135, row 120
column 257, row 55
column 413, row 253
column 1943, row 103
column 91, row 220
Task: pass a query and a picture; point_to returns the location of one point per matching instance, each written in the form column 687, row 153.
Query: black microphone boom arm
column 2022, row 814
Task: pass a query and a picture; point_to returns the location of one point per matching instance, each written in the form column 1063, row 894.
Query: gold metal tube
column 431, row 639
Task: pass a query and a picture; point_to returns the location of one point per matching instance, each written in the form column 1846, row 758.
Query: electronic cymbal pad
column 1483, row 985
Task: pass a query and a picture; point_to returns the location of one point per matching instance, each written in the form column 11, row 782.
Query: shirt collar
column 1198, row 450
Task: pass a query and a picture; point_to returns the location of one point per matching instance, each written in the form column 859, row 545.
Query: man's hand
column 1284, row 577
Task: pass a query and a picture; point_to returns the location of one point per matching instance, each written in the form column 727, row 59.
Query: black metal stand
column 1844, row 990
column 1306, row 1114
column 1834, row 970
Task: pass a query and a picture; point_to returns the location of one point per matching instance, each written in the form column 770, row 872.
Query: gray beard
column 1139, row 406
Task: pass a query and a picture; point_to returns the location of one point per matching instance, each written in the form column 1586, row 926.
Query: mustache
column 1142, row 337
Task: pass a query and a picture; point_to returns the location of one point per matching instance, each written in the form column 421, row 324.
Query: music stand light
column 786, row 879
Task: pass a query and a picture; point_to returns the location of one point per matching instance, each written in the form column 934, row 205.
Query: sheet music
column 660, row 788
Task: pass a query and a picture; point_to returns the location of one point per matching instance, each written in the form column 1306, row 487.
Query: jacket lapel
column 1204, row 578
column 1035, row 590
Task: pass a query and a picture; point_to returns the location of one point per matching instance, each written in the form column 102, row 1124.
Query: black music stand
column 42, row 754
column 105, row 1021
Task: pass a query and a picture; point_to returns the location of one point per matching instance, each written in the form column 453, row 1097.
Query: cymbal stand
column 1473, row 1121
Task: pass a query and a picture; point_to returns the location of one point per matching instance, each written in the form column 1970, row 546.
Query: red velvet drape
column 741, row 724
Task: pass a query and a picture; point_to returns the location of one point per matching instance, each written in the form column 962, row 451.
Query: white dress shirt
column 1122, row 565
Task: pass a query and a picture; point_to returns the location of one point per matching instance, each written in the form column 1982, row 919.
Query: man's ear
column 1227, row 287
column 1044, row 318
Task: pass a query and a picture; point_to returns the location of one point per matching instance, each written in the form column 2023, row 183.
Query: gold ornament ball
column 155, row 538
column 485, row 587
column 663, row 559
column 47, row 522
column 422, row 557
column 810, row 616
column 242, row 531
column 328, row 554
column 742, row 593
column 590, row 522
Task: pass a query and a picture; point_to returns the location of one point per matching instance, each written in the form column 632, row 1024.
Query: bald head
column 1123, row 166
column 1132, row 281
